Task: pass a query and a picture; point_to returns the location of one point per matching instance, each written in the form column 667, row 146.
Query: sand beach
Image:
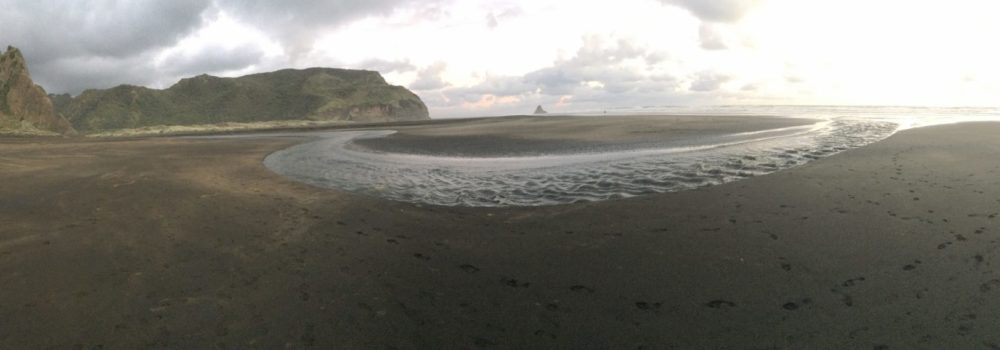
column 193, row 243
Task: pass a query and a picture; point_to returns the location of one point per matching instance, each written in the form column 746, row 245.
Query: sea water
column 333, row 160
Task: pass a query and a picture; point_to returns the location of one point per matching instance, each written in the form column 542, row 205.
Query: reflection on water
column 905, row 117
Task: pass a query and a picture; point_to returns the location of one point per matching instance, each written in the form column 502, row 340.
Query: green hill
column 322, row 94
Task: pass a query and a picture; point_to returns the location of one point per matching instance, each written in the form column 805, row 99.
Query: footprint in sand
column 510, row 282
column 720, row 304
column 792, row 306
column 642, row 305
column 989, row 285
column 852, row 282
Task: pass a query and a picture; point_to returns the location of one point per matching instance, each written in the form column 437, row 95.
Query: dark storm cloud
column 52, row 29
column 73, row 45
column 716, row 10
column 77, row 73
column 56, row 35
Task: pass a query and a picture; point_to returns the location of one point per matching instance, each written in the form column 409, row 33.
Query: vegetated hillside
column 60, row 101
column 290, row 94
column 24, row 106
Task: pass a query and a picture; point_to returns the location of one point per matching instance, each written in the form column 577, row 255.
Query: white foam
column 333, row 162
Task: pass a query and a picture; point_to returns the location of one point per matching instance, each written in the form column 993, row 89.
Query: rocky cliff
column 24, row 106
column 322, row 94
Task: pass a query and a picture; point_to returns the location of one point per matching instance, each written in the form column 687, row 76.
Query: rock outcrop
column 322, row 94
column 24, row 106
column 540, row 110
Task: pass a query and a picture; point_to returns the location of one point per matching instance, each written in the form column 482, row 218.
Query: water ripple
column 335, row 162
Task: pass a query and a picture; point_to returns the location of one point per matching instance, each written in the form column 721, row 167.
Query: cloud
column 297, row 24
column 51, row 29
column 497, row 86
column 708, row 81
column 716, row 10
column 66, row 75
column 384, row 66
column 717, row 18
column 212, row 59
column 429, row 78
column 68, row 44
column 598, row 61
column 711, row 38
column 491, row 20
column 605, row 71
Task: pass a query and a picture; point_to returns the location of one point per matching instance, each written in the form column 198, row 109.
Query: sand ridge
column 519, row 135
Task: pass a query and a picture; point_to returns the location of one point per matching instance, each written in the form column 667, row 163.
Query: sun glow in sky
column 493, row 57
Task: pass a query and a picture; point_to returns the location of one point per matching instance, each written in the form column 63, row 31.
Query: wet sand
column 192, row 243
column 532, row 135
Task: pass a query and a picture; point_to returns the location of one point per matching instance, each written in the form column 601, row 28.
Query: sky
column 496, row 57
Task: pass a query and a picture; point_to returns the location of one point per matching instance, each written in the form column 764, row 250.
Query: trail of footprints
column 841, row 290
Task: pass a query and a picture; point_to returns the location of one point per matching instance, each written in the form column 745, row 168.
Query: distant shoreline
column 231, row 128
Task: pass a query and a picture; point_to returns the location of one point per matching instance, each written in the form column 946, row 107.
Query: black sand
column 184, row 243
column 532, row 135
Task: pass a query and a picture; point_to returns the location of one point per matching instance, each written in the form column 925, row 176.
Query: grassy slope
column 323, row 94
